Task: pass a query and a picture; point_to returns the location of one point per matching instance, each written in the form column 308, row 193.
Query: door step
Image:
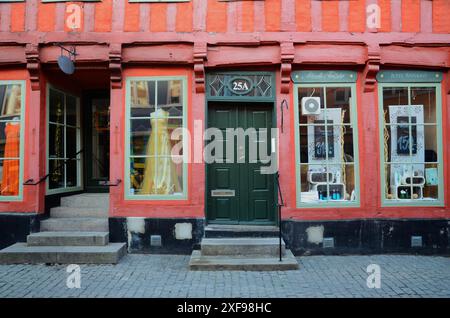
column 230, row 231
column 201, row 262
column 21, row 253
column 75, row 224
column 86, row 200
column 68, row 239
column 71, row 212
column 243, row 253
column 242, row 246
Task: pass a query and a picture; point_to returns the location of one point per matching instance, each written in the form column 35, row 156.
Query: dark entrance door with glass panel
column 237, row 192
column 96, row 140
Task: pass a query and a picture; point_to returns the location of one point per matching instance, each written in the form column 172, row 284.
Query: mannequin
column 160, row 175
column 10, row 178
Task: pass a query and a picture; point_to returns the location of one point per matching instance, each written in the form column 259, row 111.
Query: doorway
column 96, row 140
column 237, row 192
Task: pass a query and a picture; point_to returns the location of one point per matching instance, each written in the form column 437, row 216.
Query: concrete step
column 201, row 262
column 68, row 239
column 220, row 230
column 75, row 224
column 20, row 253
column 69, row 212
column 242, row 246
column 86, row 200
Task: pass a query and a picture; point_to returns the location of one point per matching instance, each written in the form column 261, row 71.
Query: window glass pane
column 425, row 96
column 56, row 141
column 71, row 147
column 71, row 110
column 142, row 98
column 10, row 139
column 410, row 142
column 9, row 176
column 158, row 170
column 72, row 175
column 140, row 134
column 56, row 178
column 56, row 105
column 10, row 101
column 339, row 98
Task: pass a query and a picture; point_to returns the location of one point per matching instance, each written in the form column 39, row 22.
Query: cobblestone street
column 167, row 276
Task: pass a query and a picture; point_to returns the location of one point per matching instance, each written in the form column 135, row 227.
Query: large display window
column 326, row 143
column 411, row 143
column 12, row 96
column 156, row 113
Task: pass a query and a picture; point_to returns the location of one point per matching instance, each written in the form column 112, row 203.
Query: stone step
column 69, row 212
column 242, row 246
column 216, row 231
column 68, row 239
column 75, row 224
column 201, row 262
column 21, row 253
column 86, row 200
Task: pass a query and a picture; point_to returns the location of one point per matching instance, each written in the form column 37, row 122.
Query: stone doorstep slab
column 70, row 212
column 21, row 253
column 86, row 200
column 75, row 224
column 68, row 239
column 199, row 262
column 266, row 247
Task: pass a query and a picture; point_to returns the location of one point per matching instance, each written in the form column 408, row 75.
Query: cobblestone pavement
column 168, row 276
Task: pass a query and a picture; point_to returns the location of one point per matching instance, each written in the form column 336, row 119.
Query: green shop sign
column 324, row 77
column 409, row 76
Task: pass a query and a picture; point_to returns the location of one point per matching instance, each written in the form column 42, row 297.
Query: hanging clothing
column 160, row 174
column 10, row 178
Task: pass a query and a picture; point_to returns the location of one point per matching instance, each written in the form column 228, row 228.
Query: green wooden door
column 253, row 199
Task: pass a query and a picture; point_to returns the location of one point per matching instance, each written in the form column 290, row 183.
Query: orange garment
column 10, row 179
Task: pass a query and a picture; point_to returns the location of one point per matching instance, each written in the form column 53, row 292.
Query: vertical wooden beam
column 288, row 15
column 396, row 15
column 316, row 15
column 200, row 9
column 31, row 15
column 426, row 16
column 5, row 17
column 171, row 17
column 118, row 15
column 144, row 19
column 260, row 19
column 343, row 15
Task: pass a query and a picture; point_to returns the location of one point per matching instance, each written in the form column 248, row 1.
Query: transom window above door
column 326, row 139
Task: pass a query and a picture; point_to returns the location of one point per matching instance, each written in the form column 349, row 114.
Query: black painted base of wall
column 140, row 242
column 368, row 236
column 14, row 227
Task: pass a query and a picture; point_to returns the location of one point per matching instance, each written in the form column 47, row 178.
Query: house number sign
column 240, row 85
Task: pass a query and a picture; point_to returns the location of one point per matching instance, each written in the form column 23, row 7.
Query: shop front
column 178, row 128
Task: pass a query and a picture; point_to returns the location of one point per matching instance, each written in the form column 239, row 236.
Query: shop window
column 11, row 139
column 64, row 142
column 327, row 146
column 411, row 141
column 156, row 114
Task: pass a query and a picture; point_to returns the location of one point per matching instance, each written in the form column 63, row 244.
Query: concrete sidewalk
column 168, row 276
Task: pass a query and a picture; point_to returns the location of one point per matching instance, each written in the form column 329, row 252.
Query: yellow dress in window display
column 160, row 174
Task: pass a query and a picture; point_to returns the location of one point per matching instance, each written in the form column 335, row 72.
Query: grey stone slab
column 242, row 246
column 24, row 254
column 75, row 224
column 71, row 212
column 68, row 239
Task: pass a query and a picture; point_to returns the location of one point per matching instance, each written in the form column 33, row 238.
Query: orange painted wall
column 131, row 19
column 216, row 17
column 103, row 16
column 303, row 15
column 46, row 17
column 158, row 21
column 330, row 16
column 441, row 20
column 184, row 17
column 272, row 15
column 410, row 15
column 18, row 17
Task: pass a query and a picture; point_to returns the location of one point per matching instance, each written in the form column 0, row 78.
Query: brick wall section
column 47, row 19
